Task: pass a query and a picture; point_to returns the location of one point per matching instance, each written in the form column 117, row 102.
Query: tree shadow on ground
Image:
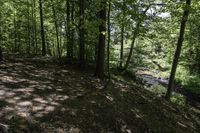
column 43, row 97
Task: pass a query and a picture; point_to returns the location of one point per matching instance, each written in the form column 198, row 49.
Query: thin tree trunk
column 15, row 34
column 1, row 54
column 198, row 53
column 72, row 32
column 57, row 30
column 178, row 49
column 42, row 29
column 32, row 26
column 122, row 40
column 122, row 47
column 28, row 30
column 68, row 29
column 135, row 34
column 35, row 27
column 81, row 34
column 108, row 45
column 18, row 37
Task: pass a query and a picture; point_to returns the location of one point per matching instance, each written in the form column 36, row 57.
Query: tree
column 122, row 39
column 178, row 49
column 135, row 34
column 34, row 26
column 70, row 30
column 28, row 39
column 56, row 29
column 100, row 62
column 42, row 28
column 109, row 36
column 81, row 33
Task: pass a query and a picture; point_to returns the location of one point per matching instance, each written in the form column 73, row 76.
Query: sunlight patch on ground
column 24, row 96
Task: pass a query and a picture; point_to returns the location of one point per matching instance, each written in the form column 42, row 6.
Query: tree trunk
column 15, row 34
column 122, row 47
column 109, row 34
column 33, row 23
column 28, row 41
column 42, row 29
column 35, row 27
column 1, row 54
column 68, row 33
column 57, row 30
column 81, row 34
column 99, row 72
column 122, row 39
column 135, row 34
column 178, row 49
column 72, row 32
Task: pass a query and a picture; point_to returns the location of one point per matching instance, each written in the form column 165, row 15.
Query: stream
column 146, row 77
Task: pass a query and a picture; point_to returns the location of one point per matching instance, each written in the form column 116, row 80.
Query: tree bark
column 178, row 49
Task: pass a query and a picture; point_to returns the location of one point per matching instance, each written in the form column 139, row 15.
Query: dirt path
column 42, row 97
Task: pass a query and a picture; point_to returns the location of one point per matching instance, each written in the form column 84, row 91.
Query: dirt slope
column 39, row 96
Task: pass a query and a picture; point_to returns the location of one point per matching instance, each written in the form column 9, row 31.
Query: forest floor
column 38, row 96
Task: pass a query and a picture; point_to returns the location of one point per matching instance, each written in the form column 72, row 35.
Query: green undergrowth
column 189, row 81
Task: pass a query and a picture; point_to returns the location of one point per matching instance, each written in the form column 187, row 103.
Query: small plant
column 158, row 89
column 178, row 99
